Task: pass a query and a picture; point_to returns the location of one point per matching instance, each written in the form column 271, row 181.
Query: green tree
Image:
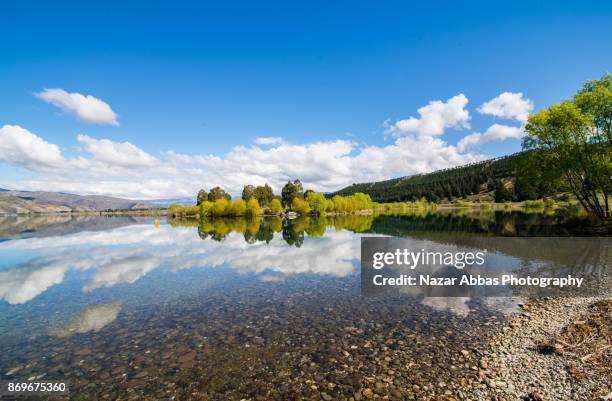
column 218, row 193
column 206, row 208
column 290, row 191
column 317, row 202
column 300, row 206
column 252, row 208
column 275, row 206
column 238, row 207
column 362, row 201
column 501, row 192
column 202, row 197
column 248, row 192
column 220, row 207
column 264, row 195
column 340, row 204
column 571, row 139
column 595, row 99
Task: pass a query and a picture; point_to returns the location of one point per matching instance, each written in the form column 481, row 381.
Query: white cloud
column 508, row 105
column 20, row 147
column 469, row 141
column 269, row 140
column 122, row 154
column 435, row 118
column 409, row 155
column 122, row 169
column 86, row 107
column 495, row 132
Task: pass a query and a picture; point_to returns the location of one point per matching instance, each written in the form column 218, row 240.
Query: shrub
column 461, row 203
column 533, row 204
column 183, row 211
column 252, row 207
column 206, row 208
column 486, row 205
column 238, row 208
column 299, row 206
column 352, row 203
column 317, row 203
column 275, row 206
column 220, row 207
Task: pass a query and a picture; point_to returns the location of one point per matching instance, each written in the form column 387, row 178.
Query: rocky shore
column 530, row 357
column 313, row 338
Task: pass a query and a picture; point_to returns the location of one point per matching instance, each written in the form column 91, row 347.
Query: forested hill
column 494, row 175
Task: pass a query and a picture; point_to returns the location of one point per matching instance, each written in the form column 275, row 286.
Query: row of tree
column 224, row 207
column 448, row 184
column 263, row 193
column 261, row 199
column 505, row 177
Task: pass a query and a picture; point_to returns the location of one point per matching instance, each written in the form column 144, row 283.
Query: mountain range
column 26, row 202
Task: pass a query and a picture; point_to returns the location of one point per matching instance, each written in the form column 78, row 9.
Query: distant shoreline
column 138, row 212
column 164, row 210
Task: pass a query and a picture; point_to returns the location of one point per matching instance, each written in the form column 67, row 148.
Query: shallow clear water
column 123, row 307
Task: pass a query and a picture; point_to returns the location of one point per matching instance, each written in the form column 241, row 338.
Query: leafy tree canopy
column 202, row 197
column 275, row 206
column 263, row 194
column 218, row 193
column 290, row 191
column 572, row 140
column 248, row 192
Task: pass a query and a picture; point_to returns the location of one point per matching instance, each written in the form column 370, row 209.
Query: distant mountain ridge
column 26, row 202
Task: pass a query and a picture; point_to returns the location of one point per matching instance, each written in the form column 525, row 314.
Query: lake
column 265, row 309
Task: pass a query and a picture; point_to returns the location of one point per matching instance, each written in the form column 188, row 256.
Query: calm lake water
column 124, row 308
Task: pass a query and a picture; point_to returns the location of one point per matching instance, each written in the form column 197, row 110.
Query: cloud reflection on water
column 271, row 250
column 126, row 254
column 92, row 318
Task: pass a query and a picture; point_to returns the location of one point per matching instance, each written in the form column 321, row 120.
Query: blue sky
column 205, row 80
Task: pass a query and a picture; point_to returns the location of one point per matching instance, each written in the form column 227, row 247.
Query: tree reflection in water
column 465, row 221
